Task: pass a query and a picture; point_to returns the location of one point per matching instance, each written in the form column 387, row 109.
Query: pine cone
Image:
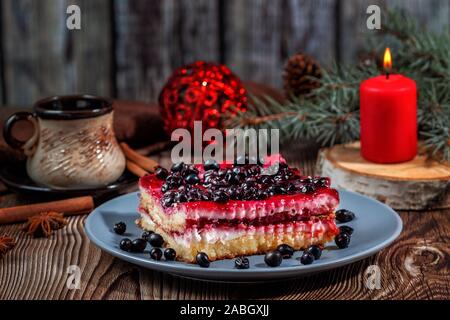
column 297, row 73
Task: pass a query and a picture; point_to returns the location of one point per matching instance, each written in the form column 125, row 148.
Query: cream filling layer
column 221, row 235
column 212, row 235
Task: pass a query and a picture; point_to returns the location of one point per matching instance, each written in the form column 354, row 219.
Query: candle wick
column 387, row 75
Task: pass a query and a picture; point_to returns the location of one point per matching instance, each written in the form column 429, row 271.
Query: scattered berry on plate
column 138, row 245
column 125, row 244
column 315, row 251
column 344, row 215
column 146, row 235
column 241, row 263
column 286, row 250
column 273, row 258
column 120, row 227
column 346, row 229
column 156, row 240
column 156, row 254
column 202, row 260
column 170, row 254
column 342, row 240
column 307, row 258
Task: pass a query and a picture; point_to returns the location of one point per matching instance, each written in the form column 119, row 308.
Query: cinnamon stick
column 69, row 207
column 135, row 169
column 140, row 160
column 155, row 148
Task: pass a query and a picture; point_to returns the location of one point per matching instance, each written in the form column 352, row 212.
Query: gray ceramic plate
column 376, row 226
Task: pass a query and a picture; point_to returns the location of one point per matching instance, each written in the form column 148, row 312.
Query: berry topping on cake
column 211, row 182
column 227, row 210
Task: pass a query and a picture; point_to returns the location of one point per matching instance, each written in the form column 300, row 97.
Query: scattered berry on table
column 286, row 250
column 273, row 258
column 120, row 227
column 156, row 254
column 138, row 245
column 344, row 215
column 306, row 258
column 125, row 244
column 342, row 240
column 241, row 263
column 202, row 260
column 156, row 240
column 315, row 251
column 170, row 254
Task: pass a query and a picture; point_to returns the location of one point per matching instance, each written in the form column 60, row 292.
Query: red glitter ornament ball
column 200, row 91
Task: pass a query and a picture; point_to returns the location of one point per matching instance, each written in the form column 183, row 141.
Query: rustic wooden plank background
column 127, row 48
column 154, row 37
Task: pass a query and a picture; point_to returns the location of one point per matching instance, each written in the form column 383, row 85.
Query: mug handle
column 27, row 146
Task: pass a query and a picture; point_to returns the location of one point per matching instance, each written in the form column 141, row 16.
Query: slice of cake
column 231, row 210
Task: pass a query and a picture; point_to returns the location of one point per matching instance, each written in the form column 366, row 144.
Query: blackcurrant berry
column 342, row 240
column 170, row 254
column 202, row 260
column 315, row 251
column 156, row 254
column 177, row 167
column 211, row 165
column 346, row 229
column 161, row 173
column 125, row 244
column 241, row 263
column 192, row 179
column 286, row 250
column 273, row 258
column 120, row 227
column 146, row 235
column 156, row 240
column 138, row 245
column 344, row 215
column 306, row 258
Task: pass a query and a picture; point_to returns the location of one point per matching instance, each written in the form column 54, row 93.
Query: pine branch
column 330, row 114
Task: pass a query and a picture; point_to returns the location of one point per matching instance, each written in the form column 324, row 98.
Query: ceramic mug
column 73, row 144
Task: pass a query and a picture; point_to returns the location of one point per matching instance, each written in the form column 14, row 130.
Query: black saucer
column 15, row 177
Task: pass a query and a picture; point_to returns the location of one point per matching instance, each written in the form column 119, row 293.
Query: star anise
column 6, row 244
column 43, row 224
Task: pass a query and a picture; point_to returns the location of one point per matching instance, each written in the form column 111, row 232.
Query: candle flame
column 387, row 61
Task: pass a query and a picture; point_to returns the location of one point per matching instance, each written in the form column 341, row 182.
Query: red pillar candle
column 388, row 112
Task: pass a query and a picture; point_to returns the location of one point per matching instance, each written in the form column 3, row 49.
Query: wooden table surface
column 415, row 266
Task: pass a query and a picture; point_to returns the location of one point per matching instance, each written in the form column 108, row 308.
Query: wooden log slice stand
column 414, row 185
